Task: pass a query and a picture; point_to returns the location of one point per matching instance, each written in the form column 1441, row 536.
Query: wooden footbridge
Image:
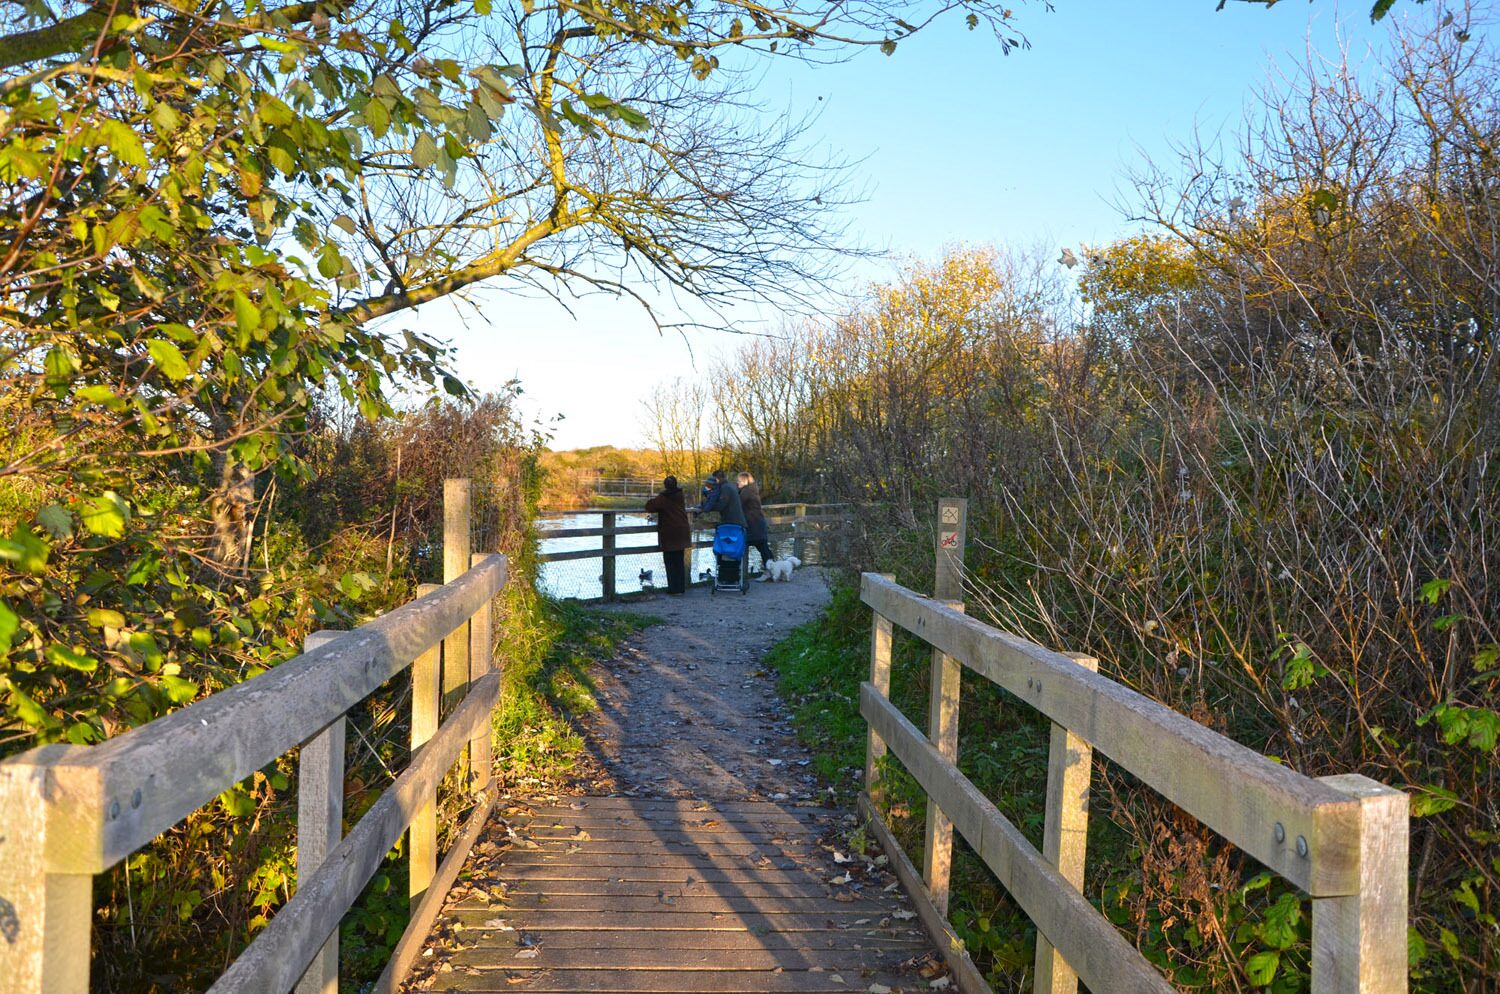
column 601, row 894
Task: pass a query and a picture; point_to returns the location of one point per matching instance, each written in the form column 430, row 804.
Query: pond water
column 582, row 578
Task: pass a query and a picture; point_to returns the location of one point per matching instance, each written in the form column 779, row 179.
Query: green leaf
column 105, row 515
column 61, row 655
column 330, row 263
column 344, row 223
column 169, row 359
column 25, row 549
column 246, row 314
column 9, row 625
column 425, row 152
column 1381, row 8
column 1432, row 590
column 103, row 617
column 56, row 520
column 1261, row 968
column 59, row 364
column 377, row 117
column 1432, row 800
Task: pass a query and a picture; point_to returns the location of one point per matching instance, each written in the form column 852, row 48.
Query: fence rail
column 785, row 521
column 1340, row 839
column 70, row 812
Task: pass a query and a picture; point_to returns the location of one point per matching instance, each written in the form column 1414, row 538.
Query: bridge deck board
column 611, row 894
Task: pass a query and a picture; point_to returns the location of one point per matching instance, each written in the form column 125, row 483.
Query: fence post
column 1065, row 833
column 947, row 676
column 320, row 824
column 881, row 631
column 608, row 578
column 481, row 653
column 798, row 546
column 45, row 916
column 1359, row 941
column 426, row 697
column 456, row 555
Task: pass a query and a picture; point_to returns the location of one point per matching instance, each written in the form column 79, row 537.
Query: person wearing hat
column 673, row 533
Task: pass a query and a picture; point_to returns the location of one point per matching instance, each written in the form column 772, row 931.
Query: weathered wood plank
column 654, row 806
column 966, row 975
column 596, row 532
column 909, row 942
column 749, row 886
column 1234, row 790
column 1099, row 954
column 426, row 706
column 942, row 731
column 481, row 661
column 720, row 835
column 684, row 860
column 1065, row 833
column 696, row 921
column 409, row 946
column 709, row 872
column 320, row 825
column 1359, row 941
column 666, row 902
column 282, row 951
column 48, row 915
column 713, row 847
column 667, row 981
column 666, row 957
column 141, row 783
column 881, row 633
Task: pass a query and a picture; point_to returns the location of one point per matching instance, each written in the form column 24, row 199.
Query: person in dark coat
column 673, row 532
column 757, row 531
column 726, row 500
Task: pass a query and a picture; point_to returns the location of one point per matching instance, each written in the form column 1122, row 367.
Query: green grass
column 549, row 681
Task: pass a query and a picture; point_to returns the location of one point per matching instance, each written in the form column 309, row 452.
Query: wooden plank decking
column 618, row 894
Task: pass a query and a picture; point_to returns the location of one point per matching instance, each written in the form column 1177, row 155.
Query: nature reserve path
column 696, row 853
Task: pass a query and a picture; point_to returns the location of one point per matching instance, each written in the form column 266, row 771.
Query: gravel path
column 689, row 710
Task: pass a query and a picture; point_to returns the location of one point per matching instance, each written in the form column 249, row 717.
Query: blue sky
column 959, row 144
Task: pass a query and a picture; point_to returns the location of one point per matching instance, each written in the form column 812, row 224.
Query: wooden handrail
column 1341, row 839
column 69, row 812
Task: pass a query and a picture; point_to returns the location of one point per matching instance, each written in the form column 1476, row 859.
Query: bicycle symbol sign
column 948, row 540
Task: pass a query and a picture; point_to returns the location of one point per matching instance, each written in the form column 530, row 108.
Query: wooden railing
column 1340, row 839
column 795, row 522
column 68, row 812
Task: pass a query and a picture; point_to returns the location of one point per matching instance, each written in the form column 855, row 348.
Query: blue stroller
column 729, row 551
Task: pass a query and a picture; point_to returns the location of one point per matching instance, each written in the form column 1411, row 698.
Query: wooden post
column 1065, row 833
column 320, row 825
column 481, row 654
column 45, row 916
column 881, row 632
column 1359, row 940
column 608, row 578
column 456, row 556
column 798, row 545
column 947, row 674
column 426, row 692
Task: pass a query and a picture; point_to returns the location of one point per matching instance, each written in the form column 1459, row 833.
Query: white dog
column 781, row 569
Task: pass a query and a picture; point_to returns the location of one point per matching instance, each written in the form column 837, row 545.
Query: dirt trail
column 689, row 710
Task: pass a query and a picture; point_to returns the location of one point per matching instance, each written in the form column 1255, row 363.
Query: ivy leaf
column 105, row 515
column 169, row 359
column 56, row 520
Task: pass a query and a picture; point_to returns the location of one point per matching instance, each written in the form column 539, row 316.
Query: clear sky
column 959, row 144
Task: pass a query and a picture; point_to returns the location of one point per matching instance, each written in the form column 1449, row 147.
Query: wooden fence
column 799, row 523
column 68, row 812
column 1340, row 839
